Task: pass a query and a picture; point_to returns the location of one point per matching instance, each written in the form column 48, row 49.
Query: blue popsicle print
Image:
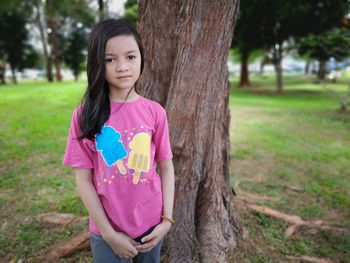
column 112, row 150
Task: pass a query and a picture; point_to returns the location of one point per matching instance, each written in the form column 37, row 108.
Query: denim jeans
column 103, row 253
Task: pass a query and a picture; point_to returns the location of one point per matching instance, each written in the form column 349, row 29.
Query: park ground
column 295, row 140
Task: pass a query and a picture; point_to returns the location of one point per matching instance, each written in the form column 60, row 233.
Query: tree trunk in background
column 262, row 65
column 244, row 78
column 40, row 22
column 277, row 54
column 186, row 48
column 307, row 67
column 321, row 73
column 56, row 50
column 101, row 10
column 13, row 73
column 2, row 72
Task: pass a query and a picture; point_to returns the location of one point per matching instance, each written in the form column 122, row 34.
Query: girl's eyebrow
column 128, row 52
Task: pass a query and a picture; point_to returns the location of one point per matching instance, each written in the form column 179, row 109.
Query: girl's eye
column 131, row 57
column 109, row 60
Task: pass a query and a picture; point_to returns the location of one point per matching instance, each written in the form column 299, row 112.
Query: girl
column 116, row 141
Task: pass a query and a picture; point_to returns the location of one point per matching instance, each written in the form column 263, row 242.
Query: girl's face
column 123, row 63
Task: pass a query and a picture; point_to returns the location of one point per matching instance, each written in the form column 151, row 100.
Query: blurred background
column 289, row 70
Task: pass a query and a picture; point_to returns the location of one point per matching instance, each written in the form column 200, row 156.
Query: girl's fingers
column 135, row 243
column 149, row 237
column 146, row 247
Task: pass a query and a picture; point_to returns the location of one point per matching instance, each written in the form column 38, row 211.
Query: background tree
column 131, row 12
column 247, row 38
column 62, row 13
column 186, row 71
column 74, row 52
column 102, row 6
column 280, row 20
column 332, row 43
column 14, row 46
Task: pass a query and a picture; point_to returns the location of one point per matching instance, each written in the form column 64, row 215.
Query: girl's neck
column 121, row 96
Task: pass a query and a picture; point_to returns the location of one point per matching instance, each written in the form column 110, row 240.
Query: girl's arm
column 121, row 243
column 168, row 186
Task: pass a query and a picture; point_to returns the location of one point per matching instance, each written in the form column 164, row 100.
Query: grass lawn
column 297, row 139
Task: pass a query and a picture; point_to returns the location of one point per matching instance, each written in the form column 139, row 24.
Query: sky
column 116, row 6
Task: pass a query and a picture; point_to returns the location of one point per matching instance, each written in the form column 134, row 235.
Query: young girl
column 116, row 141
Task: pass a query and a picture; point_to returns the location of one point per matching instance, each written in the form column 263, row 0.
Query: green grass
column 35, row 118
column 294, row 139
column 299, row 139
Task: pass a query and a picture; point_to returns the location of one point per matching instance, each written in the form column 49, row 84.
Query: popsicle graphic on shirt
column 139, row 155
column 112, row 150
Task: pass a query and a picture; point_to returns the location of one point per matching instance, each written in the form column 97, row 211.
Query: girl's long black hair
column 95, row 103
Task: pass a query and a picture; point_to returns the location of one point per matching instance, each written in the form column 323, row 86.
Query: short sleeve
column 78, row 153
column 161, row 137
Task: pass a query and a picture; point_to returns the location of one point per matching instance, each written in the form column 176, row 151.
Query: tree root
column 66, row 248
column 60, row 220
column 311, row 259
column 250, row 196
column 295, row 222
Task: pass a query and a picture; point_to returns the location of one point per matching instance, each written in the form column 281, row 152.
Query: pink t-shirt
column 123, row 160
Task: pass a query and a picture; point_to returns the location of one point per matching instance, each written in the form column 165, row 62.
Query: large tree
column 186, row 71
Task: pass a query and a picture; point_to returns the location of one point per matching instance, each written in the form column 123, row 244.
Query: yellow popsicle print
column 139, row 156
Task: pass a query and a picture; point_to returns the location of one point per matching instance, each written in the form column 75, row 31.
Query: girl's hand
column 153, row 239
column 122, row 244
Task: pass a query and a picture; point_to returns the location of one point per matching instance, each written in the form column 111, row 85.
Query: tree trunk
column 13, row 72
column 40, row 22
column 101, row 11
column 307, row 67
column 244, row 79
column 278, row 67
column 262, row 65
column 186, row 71
column 321, row 73
column 2, row 72
column 55, row 48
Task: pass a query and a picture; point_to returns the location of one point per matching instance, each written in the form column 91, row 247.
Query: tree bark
column 278, row 67
column 244, row 78
column 186, row 71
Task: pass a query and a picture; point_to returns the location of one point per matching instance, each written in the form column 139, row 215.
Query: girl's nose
column 121, row 67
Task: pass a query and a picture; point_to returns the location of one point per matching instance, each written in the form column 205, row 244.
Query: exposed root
column 295, row 222
column 66, row 248
column 60, row 220
column 250, row 196
column 288, row 187
column 311, row 259
column 254, row 197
